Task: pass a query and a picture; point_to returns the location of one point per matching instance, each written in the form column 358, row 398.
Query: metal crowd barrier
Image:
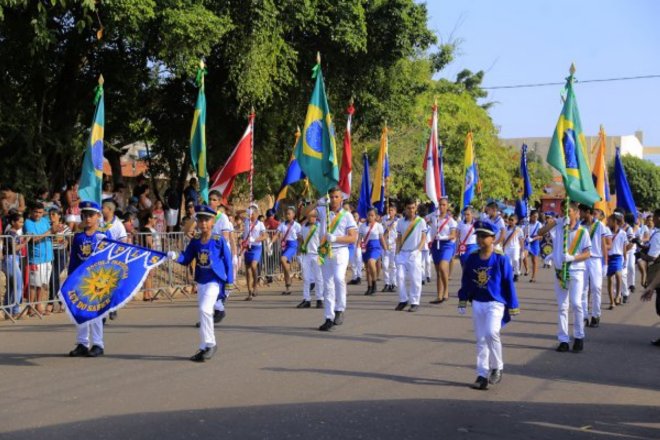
column 169, row 279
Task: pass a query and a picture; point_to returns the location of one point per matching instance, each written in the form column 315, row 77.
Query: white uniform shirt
column 314, row 241
column 390, row 225
column 346, row 223
column 619, row 242
column 293, row 234
column 412, row 243
column 254, row 231
column 532, row 229
column 654, row 243
column 630, row 234
column 115, row 228
column 643, row 230
column 442, row 226
column 597, row 231
column 514, row 236
column 463, row 230
column 222, row 224
column 375, row 234
column 558, row 248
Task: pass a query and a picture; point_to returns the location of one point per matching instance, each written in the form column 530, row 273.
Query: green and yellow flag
column 316, row 150
column 568, row 153
column 198, row 137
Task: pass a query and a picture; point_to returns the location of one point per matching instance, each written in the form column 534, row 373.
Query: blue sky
column 522, row 42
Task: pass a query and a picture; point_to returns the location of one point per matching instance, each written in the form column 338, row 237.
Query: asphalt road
column 383, row 374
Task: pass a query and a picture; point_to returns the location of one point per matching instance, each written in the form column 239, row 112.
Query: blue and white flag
column 107, row 280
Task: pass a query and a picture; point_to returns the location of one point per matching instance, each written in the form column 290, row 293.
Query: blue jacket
column 220, row 259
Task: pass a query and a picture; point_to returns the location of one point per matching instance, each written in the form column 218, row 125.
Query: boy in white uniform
column 339, row 233
column 629, row 270
column 389, row 261
column 513, row 244
column 593, row 280
column 411, row 231
column 309, row 248
column 355, row 254
column 493, row 215
column 578, row 251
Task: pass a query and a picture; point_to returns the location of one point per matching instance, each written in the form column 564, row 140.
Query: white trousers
column 514, row 258
column 312, row 274
column 574, row 296
column 389, row 267
column 426, row 263
column 356, row 264
column 409, row 274
column 334, row 280
column 93, row 327
column 487, row 320
column 207, row 294
column 593, row 281
column 630, row 273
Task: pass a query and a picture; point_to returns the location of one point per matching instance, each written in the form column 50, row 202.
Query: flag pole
column 564, row 274
column 251, row 175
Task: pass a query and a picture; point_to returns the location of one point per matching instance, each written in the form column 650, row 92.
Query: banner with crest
column 108, row 279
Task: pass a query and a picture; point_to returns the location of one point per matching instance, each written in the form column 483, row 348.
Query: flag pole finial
column 351, row 101
column 101, row 80
column 318, row 57
column 572, row 69
column 201, row 63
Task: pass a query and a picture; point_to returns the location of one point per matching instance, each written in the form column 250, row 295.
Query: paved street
column 383, row 374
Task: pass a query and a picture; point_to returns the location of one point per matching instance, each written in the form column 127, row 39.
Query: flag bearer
column 487, row 282
column 512, row 244
column 389, row 264
column 309, row 247
column 593, row 280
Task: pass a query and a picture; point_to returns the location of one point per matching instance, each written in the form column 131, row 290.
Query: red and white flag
column 346, row 171
column 431, row 162
column 240, row 161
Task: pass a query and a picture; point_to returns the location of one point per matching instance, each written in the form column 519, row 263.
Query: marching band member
column 487, row 282
column 593, row 281
column 253, row 237
column 309, row 248
column 389, row 261
column 466, row 237
column 213, row 270
column 443, row 248
column 411, row 231
column 288, row 233
column 512, row 244
column 372, row 243
column 533, row 243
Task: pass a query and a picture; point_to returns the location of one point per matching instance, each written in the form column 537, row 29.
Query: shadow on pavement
column 389, row 419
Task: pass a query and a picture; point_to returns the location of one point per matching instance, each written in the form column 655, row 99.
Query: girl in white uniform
column 513, row 244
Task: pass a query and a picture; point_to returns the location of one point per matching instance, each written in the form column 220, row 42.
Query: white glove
column 569, row 258
column 251, row 240
column 442, row 237
column 461, row 310
column 172, row 255
column 330, row 238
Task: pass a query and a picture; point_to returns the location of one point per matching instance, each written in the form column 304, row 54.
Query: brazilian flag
column 316, row 150
column 198, row 137
column 568, row 153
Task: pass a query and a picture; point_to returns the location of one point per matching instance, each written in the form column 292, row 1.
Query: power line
column 577, row 81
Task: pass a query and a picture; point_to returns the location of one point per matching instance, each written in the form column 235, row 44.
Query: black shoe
column 515, row 278
column 112, row 316
column 480, row 384
column 413, row 308
column 352, row 282
column 563, row 347
column 199, row 356
column 358, row 281
column 393, row 288
column 79, row 351
column 304, row 304
column 401, row 306
column 586, row 322
column 428, row 279
column 319, row 303
column 632, row 289
column 368, row 292
column 578, row 345
column 595, row 322
column 339, row 318
column 326, row 326
column 311, row 287
column 209, row 352
column 218, row 316
column 656, row 342
column 95, row 351
column 423, row 282
column 386, row 288
column 374, row 289
column 625, row 299
column 495, row 376
column 103, row 320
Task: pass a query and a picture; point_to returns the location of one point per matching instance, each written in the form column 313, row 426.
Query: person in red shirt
column 271, row 223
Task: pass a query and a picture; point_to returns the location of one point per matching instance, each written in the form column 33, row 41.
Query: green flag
column 198, row 137
column 316, row 150
column 568, row 153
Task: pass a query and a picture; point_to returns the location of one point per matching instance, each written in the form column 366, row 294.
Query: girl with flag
column 287, row 234
column 467, row 239
column 532, row 244
column 373, row 243
column 443, row 227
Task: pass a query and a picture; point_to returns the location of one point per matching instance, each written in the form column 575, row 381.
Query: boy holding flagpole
column 411, row 231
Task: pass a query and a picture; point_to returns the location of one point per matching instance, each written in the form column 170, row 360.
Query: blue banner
column 107, row 280
column 624, row 197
